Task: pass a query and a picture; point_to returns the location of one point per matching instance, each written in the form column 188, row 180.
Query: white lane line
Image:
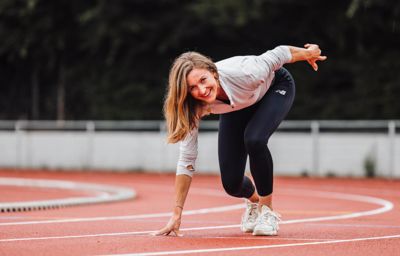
column 258, row 247
column 77, row 236
column 129, row 217
column 341, row 225
column 386, row 206
column 148, row 233
column 103, row 193
column 267, row 238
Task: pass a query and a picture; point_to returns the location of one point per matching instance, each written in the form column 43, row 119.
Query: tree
column 110, row 59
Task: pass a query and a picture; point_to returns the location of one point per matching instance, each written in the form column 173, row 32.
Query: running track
column 320, row 217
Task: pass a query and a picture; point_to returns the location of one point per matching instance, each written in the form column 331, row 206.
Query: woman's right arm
column 183, row 179
column 182, row 185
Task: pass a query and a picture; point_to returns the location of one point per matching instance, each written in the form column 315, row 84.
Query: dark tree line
column 101, row 59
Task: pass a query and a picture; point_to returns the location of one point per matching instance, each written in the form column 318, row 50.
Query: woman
column 252, row 94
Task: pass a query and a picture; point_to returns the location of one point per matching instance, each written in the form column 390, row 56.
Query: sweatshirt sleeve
column 276, row 58
column 256, row 67
column 252, row 70
column 188, row 154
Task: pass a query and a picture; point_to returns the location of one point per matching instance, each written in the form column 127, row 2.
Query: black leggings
column 246, row 132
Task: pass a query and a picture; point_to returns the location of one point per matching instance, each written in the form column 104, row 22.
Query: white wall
column 341, row 154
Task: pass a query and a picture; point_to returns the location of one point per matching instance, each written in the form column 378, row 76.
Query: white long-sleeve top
column 245, row 80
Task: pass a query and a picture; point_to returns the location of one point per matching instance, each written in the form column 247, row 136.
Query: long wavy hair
column 181, row 110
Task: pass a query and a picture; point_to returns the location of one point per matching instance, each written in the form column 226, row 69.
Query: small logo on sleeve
column 281, row 92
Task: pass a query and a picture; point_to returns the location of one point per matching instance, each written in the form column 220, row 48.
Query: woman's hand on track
column 172, row 227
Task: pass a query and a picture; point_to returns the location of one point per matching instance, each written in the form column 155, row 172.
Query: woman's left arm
column 310, row 53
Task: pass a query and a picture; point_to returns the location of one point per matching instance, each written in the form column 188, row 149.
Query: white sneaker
column 249, row 218
column 267, row 223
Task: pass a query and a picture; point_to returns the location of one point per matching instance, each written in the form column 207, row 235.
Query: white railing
column 154, row 125
column 24, row 144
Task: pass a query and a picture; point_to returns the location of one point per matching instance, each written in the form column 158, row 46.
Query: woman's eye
column 203, row 80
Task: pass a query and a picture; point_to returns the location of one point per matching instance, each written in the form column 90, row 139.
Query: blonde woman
column 252, row 94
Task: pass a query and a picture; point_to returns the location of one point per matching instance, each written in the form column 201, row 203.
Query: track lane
column 293, row 206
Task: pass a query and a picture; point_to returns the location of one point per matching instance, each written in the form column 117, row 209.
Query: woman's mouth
column 207, row 94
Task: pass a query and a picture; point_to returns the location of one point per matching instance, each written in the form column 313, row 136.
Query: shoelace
column 252, row 213
column 270, row 217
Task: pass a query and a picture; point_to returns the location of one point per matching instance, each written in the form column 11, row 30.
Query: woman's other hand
column 314, row 55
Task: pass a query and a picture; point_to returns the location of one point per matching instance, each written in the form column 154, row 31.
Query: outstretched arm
column 311, row 53
column 182, row 185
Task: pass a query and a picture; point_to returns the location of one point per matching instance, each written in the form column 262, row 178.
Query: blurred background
column 78, row 63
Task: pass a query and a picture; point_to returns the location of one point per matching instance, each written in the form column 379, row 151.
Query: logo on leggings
column 282, row 92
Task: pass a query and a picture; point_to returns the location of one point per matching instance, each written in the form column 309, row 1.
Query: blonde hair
column 181, row 110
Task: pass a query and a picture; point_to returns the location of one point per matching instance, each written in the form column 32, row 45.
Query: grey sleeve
column 188, row 154
column 257, row 68
column 276, row 58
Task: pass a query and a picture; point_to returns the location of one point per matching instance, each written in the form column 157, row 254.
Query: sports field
column 321, row 216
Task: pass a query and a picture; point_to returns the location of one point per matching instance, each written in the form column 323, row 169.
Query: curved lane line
column 387, row 206
column 103, row 194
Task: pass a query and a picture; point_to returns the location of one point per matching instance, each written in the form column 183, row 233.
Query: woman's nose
column 202, row 89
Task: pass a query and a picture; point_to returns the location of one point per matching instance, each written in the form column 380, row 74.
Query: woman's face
column 202, row 85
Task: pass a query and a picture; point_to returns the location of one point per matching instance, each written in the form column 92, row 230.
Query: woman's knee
column 255, row 145
column 232, row 187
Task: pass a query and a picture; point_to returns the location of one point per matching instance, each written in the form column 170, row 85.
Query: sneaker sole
column 246, row 230
column 264, row 233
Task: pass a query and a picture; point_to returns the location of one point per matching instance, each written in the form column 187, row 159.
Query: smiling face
column 202, row 85
column 193, row 82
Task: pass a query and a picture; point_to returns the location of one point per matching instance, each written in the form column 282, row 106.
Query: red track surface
column 80, row 231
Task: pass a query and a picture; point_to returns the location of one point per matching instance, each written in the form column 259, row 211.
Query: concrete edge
column 104, row 194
